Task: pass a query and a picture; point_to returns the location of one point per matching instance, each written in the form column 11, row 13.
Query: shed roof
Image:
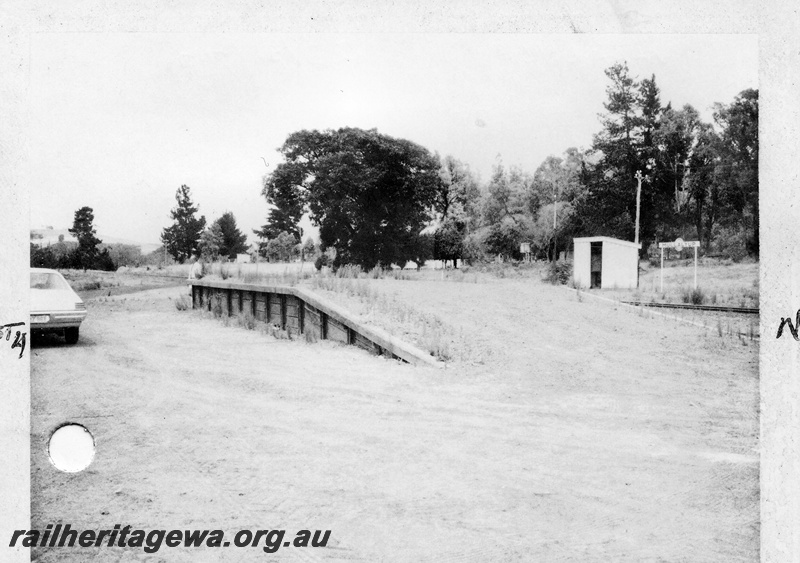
column 610, row 240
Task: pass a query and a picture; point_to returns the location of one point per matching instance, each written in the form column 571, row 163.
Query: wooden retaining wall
column 300, row 311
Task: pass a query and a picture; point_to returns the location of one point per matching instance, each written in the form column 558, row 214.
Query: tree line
column 188, row 237
column 379, row 200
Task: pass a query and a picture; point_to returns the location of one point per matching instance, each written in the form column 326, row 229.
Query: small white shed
column 243, row 259
column 605, row 263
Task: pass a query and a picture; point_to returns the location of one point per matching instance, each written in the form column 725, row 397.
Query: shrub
column 89, row 285
column 198, row 270
column 559, row 273
column 752, row 295
column 729, row 241
column 473, row 251
column 693, row 296
column 182, row 303
column 321, row 261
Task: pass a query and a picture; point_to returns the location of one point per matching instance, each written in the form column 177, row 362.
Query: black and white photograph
column 407, row 296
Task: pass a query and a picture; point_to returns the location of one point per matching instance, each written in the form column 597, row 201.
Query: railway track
column 689, row 306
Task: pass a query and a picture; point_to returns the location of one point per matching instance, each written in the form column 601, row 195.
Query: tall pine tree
column 625, row 145
column 182, row 238
column 233, row 241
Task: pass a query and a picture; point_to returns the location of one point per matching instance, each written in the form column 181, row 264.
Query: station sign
column 680, row 244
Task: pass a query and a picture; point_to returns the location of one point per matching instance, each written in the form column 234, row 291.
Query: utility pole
column 555, row 207
column 638, row 177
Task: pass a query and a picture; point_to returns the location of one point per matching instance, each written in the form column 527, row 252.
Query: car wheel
column 71, row 334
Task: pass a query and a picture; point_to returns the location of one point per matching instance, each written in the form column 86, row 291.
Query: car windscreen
column 46, row 280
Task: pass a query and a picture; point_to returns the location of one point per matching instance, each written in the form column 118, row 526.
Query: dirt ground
column 589, row 433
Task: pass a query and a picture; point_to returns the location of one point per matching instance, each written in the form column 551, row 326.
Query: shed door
column 596, row 268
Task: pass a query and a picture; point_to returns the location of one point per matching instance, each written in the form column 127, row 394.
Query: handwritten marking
column 793, row 328
column 20, row 338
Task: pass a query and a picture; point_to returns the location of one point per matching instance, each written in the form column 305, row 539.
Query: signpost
column 525, row 250
column 679, row 244
column 639, row 178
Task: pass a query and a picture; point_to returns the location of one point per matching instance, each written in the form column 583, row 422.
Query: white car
column 55, row 307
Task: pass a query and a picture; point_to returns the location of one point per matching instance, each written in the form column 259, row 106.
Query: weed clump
column 216, row 308
column 559, row 273
column 321, row 261
column 310, row 336
column 695, row 296
column 247, row 320
column 182, row 303
column 278, row 333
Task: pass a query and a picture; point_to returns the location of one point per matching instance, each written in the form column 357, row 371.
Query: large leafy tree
column 557, row 183
column 503, row 238
column 457, row 194
column 507, row 197
column 370, row 194
column 233, row 241
column 457, row 208
column 704, row 183
column 739, row 150
column 448, row 241
column 182, row 238
column 676, row 141
column 280, row 190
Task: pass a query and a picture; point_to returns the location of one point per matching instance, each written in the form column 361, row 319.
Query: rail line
column 689, row 306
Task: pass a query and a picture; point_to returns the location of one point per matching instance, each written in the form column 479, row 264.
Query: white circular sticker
column 71, row 448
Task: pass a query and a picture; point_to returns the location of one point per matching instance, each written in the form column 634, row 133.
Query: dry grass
column 357, row 290
column 226, row 270
column 246, row 320
column 81, row 280
column 718, row 283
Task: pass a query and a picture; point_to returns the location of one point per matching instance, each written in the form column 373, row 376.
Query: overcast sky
column 120, row 121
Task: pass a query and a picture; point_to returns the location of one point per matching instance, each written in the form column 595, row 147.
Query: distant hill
column 47, row 235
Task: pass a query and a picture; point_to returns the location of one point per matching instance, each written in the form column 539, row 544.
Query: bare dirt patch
column 592, row 434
